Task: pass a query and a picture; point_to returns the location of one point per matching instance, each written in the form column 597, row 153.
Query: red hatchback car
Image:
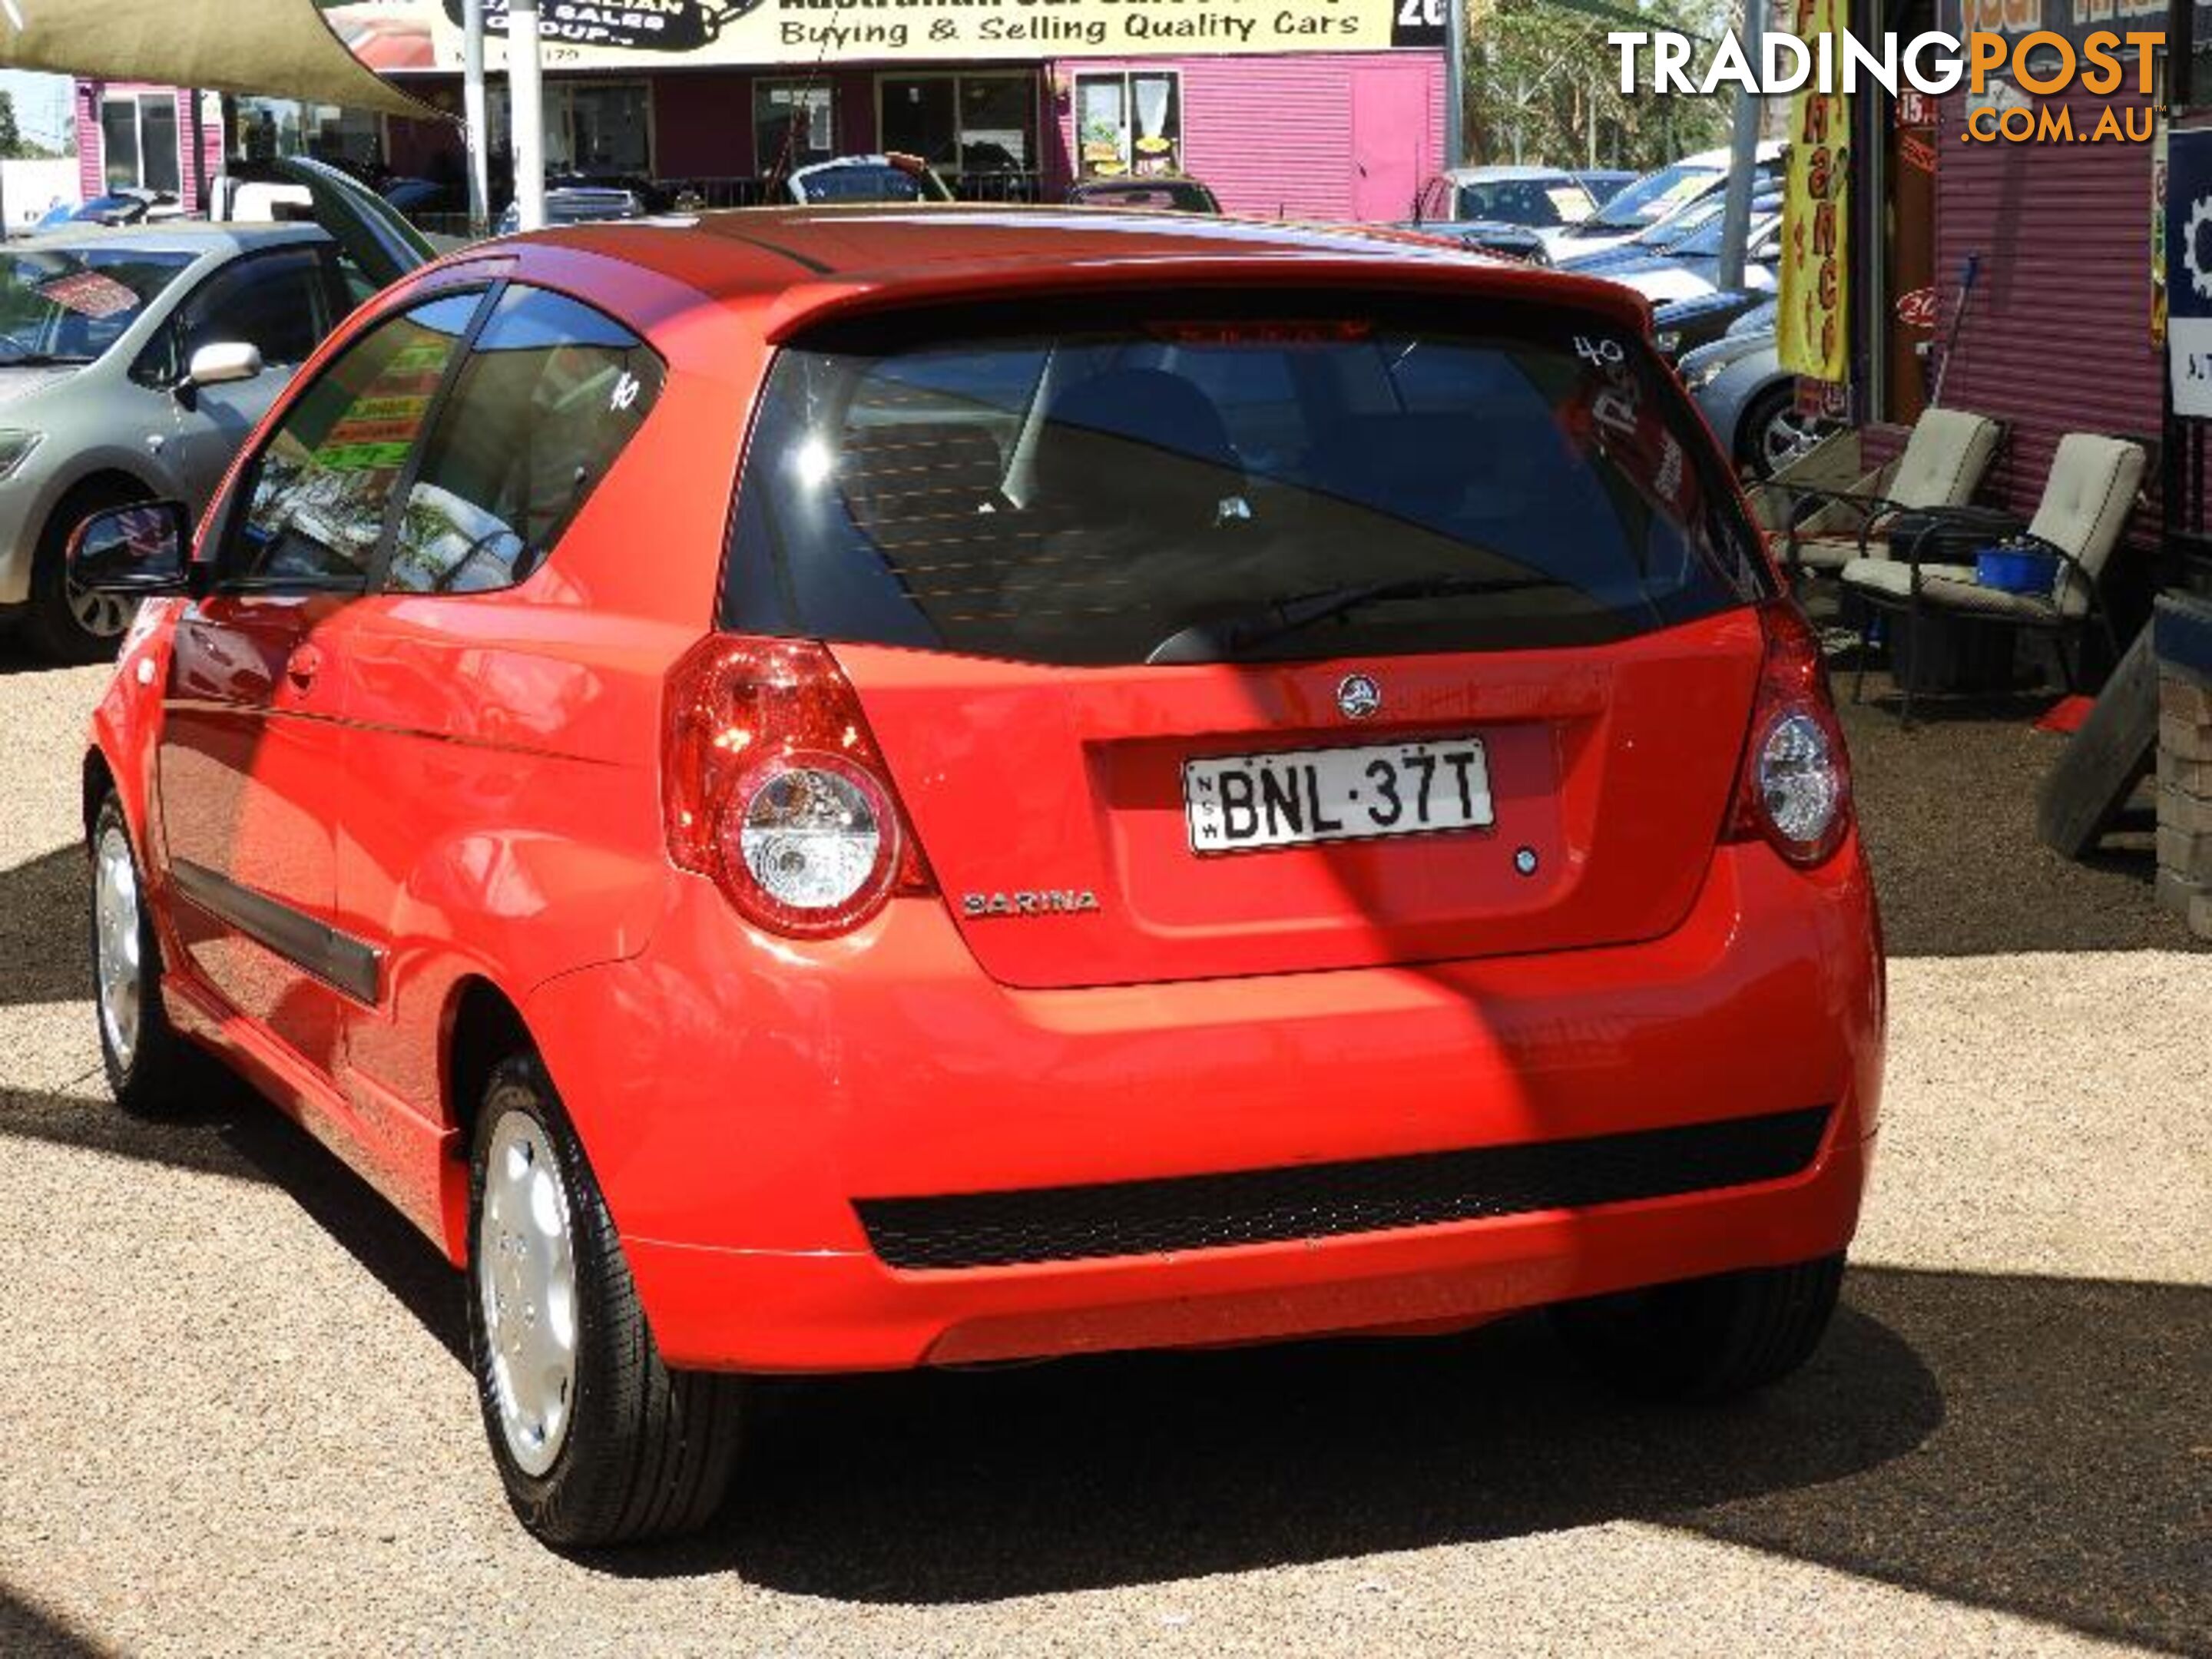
column 829, row 791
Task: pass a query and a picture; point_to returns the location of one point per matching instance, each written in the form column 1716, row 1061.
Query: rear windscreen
column 1111, row 482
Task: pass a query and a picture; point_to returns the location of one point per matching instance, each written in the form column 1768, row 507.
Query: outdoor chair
column 1941, row 467
column 2087, row 496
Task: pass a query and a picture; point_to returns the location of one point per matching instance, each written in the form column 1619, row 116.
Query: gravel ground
column 234, row 1417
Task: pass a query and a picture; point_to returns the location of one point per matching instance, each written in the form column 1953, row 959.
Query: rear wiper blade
column 1228, row 636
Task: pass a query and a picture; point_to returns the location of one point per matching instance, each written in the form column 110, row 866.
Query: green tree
column 1544, row 86
column 11, row 141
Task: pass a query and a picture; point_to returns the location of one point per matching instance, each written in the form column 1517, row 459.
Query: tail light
column 1796, row 792
column 771, row 785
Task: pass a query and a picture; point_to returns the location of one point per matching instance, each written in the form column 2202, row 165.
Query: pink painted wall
column 1277, row 137
column 91, row 149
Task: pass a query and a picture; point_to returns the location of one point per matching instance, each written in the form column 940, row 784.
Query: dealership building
column 1310, row 109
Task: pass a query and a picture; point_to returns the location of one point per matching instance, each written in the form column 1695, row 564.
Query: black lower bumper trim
column 1321, row 1200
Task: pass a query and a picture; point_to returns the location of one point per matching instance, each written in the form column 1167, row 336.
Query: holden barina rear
column 1229, row 814
column 1233, row 785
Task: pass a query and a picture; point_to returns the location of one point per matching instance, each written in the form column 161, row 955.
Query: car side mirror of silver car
column 144, row 549
column 223, row 362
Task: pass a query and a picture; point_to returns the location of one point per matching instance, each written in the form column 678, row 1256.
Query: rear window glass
column 1198, row 485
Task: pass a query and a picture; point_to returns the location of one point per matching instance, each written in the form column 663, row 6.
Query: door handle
column 303, row 666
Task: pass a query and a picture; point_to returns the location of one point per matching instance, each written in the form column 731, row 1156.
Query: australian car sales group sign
column 426, row 34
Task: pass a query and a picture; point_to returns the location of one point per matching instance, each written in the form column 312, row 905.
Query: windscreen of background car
column 860, row 184
column 70, row 305
column 1656, row 195
column 1542, row 203
column 1080, row 494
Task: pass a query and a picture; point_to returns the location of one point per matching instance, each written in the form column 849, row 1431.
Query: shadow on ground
column 46, row 950
column 28, row 1633
column 2039, row 1446
column 1947, row 812
column 2035, row 1446
column 232, row 1132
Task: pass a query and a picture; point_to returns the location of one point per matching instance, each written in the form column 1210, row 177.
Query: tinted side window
column 550, row 394
column 323, row 482
column 276, row 301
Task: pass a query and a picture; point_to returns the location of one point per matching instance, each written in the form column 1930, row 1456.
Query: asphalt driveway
column 234, row 1415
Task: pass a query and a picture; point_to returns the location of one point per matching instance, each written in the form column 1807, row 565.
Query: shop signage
column 1809, row 320
column 1917, row 308
column 2189, row 269
column 634, row 34
column 2073, row 21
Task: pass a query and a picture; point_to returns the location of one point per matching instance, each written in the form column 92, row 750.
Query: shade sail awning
column 268, row 48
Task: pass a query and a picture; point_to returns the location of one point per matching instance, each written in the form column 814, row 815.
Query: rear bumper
column 737, row 1099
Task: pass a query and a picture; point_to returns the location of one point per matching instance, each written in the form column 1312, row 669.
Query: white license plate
column 1294, row 799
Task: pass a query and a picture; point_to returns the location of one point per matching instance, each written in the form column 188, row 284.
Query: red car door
column 482, row 707
column 250, row 763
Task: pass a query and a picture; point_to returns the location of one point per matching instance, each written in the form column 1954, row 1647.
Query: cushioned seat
column 1942, row 466
column 1895, row 576
column 2087, row 495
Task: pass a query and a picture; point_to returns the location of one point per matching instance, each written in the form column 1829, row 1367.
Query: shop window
column 794, row 125
column 283, row 126
column 138, row 142
column 600, row 127
column 963, row 124
column 1128, row 123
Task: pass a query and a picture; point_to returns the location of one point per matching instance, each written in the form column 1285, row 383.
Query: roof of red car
column 820, row 258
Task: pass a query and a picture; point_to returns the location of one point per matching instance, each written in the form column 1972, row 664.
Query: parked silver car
column 135, row 361
column 1749, row 399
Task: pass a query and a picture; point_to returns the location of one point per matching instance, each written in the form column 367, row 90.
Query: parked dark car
column 1684, row 283
column 118, row 207
column 415, row 195
column 578, row 204
column 889, row 178
column 1172, row 193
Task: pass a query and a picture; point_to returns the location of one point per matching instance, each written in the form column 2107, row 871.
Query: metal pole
column 474, row 115
column 1455, row 81
column 1743, row 157
column 526, row 85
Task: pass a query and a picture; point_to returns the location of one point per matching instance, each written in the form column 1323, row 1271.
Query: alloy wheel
column 1787, row 435
column 103, row 615
column 527, row 1273
column 118, row 934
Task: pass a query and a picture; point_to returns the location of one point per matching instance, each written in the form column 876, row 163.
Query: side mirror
column 141, row 551
column 222, row 363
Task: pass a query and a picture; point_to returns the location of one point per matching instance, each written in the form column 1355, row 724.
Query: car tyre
column 1773, row 433
column 148, row 1066
column 598, row 1441
column 1706, row 1340
column 61, row 624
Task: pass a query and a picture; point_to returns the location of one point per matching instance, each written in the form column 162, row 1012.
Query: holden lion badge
column 1357, row 696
